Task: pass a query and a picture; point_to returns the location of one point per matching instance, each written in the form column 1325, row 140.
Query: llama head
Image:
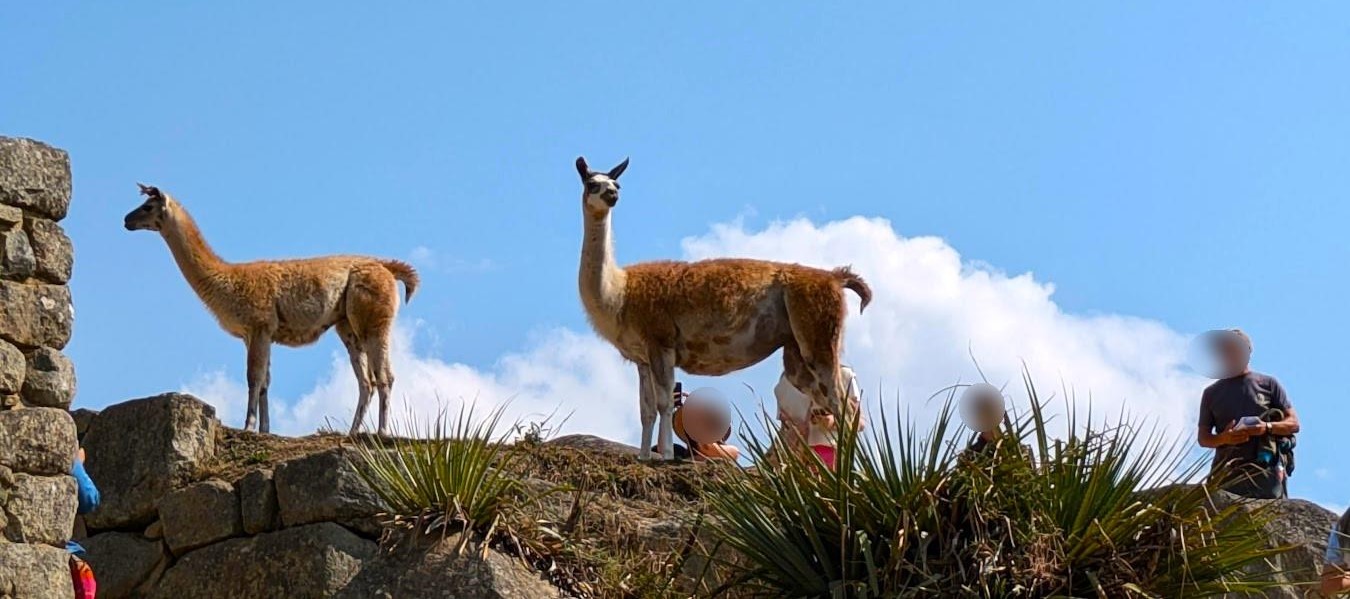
column 149, row 215
column 601, row 190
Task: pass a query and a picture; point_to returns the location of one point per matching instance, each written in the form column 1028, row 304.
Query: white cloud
column 931, row 310
column 562, row 372
column 426, row 258
column 227, row 395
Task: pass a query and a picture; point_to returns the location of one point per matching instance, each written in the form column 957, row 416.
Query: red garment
column 83, row 577
column 826, row 453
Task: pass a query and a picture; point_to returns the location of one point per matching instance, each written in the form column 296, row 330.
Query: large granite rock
column 52, row 249
column 125, row 564
column 138, row 451
column 50, row 379
column 592, row 443
column 34, row 572
column 35, row 315
column 1301, row 524
column 199, row 515
column 415, row 571
column 10, row 217
column 12, row 368
column 258, row 502
column 317, row 560
column 35, row 176
column 37, row 441
column 39, row 509
column 17, row 261
column 325, row 487
column 83, row 418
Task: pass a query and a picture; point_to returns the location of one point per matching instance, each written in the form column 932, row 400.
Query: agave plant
column 447, row 472
column 1108, row 510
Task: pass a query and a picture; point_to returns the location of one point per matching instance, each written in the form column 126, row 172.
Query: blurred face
column 1233, row 353
column 706, row 418
column 982, row 407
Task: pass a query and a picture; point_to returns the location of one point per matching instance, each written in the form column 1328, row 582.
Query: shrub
column 447, row 473
column 1098, row 513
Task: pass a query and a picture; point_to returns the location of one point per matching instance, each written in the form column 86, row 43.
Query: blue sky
column 1184, row 164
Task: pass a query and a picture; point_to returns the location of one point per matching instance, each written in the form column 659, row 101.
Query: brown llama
column 291, row 302
column 709, row 317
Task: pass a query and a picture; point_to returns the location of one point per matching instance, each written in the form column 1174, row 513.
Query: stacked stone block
column 36, row 258
column 37, row 381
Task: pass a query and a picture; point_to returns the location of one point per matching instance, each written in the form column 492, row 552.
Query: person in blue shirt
column 81, row 575
column 1336, row 570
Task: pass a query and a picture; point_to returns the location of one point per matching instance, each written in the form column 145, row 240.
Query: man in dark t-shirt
column 1245, row 452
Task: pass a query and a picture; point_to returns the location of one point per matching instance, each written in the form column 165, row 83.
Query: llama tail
column 851, row 280
column 403, row 272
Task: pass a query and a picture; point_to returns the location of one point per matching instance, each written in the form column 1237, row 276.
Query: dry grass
column 598, row 522
column 239, row 451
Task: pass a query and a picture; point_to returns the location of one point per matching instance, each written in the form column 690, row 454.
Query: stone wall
column 37, row 443
column 305, row 527
column 36, row 259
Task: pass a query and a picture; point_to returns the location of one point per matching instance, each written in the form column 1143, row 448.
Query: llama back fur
column 660, row 294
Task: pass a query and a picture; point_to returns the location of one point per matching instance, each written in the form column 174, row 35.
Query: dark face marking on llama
column 603, row 187
column 149, row 215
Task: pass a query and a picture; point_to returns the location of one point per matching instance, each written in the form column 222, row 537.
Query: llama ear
column 618, row 170
column 582, row 169
column 149, row 191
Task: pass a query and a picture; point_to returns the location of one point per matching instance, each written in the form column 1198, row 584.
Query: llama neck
column 202, row 268
column 601, row 280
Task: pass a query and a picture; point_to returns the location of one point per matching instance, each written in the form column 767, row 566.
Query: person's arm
column 1335, row 580
column 1209, row 440
column 1284, row 428
column 1289, row 426
column 84, row 487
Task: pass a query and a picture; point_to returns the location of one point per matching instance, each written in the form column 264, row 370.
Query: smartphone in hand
column 1248, row 422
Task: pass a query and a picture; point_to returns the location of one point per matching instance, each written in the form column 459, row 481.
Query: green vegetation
column 1102, row 511
column 448, row 474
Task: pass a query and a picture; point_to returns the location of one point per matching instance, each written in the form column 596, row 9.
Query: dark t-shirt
column 1231, row 399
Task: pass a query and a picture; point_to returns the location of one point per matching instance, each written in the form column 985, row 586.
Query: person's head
column 982, row 408
column 706, row 417
column 1232, row 351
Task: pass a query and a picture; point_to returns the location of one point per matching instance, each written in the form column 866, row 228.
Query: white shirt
column 796, row 406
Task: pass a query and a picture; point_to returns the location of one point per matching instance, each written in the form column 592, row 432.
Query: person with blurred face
column 1336, row 566
column 702, row 420
column 823, row 430
column 1244, row 416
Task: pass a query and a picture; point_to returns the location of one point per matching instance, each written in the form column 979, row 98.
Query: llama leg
column 360, row 369
column 372, row 304
column 795, row 420
column 377, row 352
column 818, row 332
column 259, row 354
column 663, row 386
column 264, row 425
column 647, row 407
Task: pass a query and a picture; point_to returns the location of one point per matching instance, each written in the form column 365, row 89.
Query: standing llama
column 709, row 317
column 291, row 302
